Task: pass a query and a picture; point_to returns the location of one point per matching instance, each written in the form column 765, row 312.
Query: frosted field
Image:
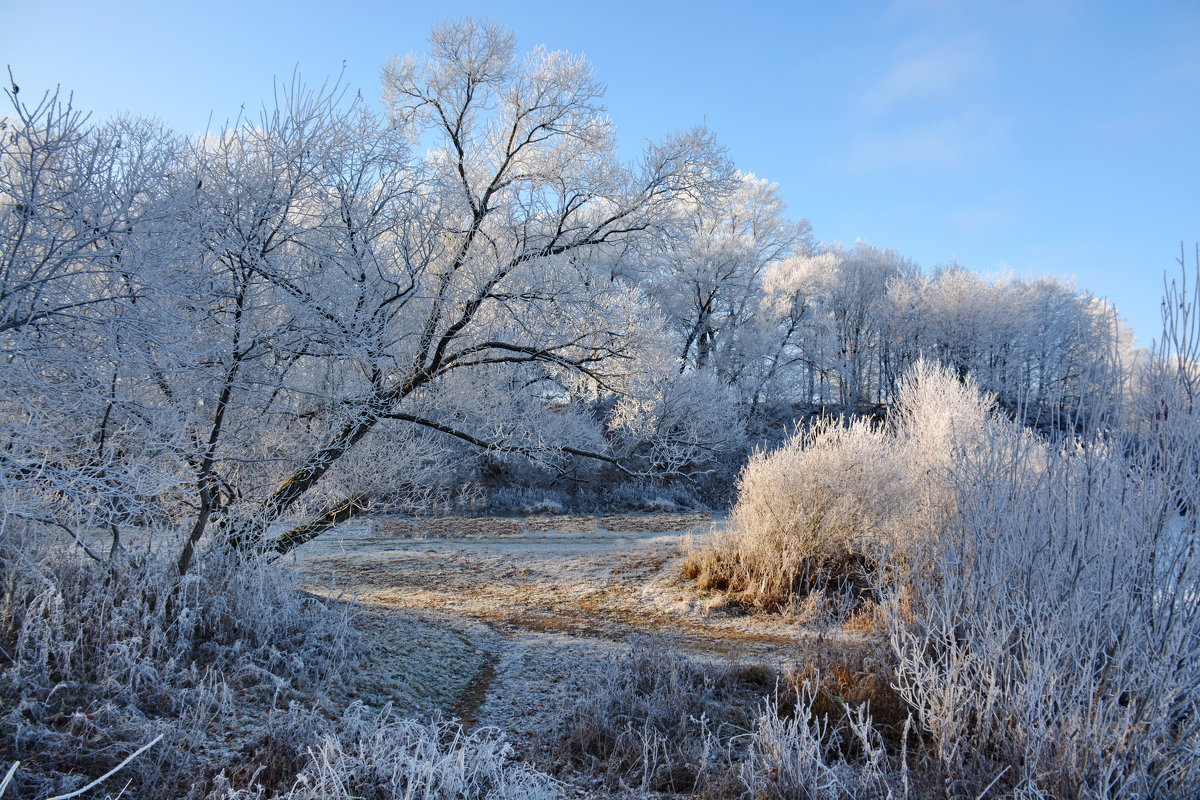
column 540, row 601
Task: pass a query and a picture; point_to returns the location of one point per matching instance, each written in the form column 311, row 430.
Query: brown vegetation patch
column 560, row 523
column 846, row 675
column 655, row 523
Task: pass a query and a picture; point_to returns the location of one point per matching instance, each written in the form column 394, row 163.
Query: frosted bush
column 647, row 496
column 1054, row 632
column 837, row 501
column 660, row 505
column 545, row 505
column 937, row 413
column 804, row 515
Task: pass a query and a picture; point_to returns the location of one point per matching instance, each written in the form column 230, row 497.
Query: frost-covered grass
column 652, row 720
column 97, row 659
column 659, row 721
column 243, row 676
column 379, row 756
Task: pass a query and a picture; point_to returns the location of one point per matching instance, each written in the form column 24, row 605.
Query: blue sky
column 1030, row 136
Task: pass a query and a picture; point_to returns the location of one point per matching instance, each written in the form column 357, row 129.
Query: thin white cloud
column 1137, row 126
column 946, row 143
column 972, row 11
column 1183, row 68
column 927, row 72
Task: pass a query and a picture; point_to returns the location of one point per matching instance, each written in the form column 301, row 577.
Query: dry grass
column 823, row 513
column 658, row 721
column 843, row 675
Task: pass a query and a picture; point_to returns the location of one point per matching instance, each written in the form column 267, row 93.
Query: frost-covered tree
column 271, row 304
column 794, row 324
column 498, row 258
column 708, row 279
column 75, row 200
column 1048, row 351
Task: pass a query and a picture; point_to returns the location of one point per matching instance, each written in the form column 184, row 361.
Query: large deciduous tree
column 496, row 255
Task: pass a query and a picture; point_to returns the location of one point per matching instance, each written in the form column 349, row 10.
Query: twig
column 110, row 773
column 995, row 780
column 8, row 777
column 70, row 531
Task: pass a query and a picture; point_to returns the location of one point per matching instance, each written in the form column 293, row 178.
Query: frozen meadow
column 437, row 452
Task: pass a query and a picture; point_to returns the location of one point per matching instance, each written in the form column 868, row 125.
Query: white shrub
column 1055, row 629
column 1053, row 634
column 545, row 505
